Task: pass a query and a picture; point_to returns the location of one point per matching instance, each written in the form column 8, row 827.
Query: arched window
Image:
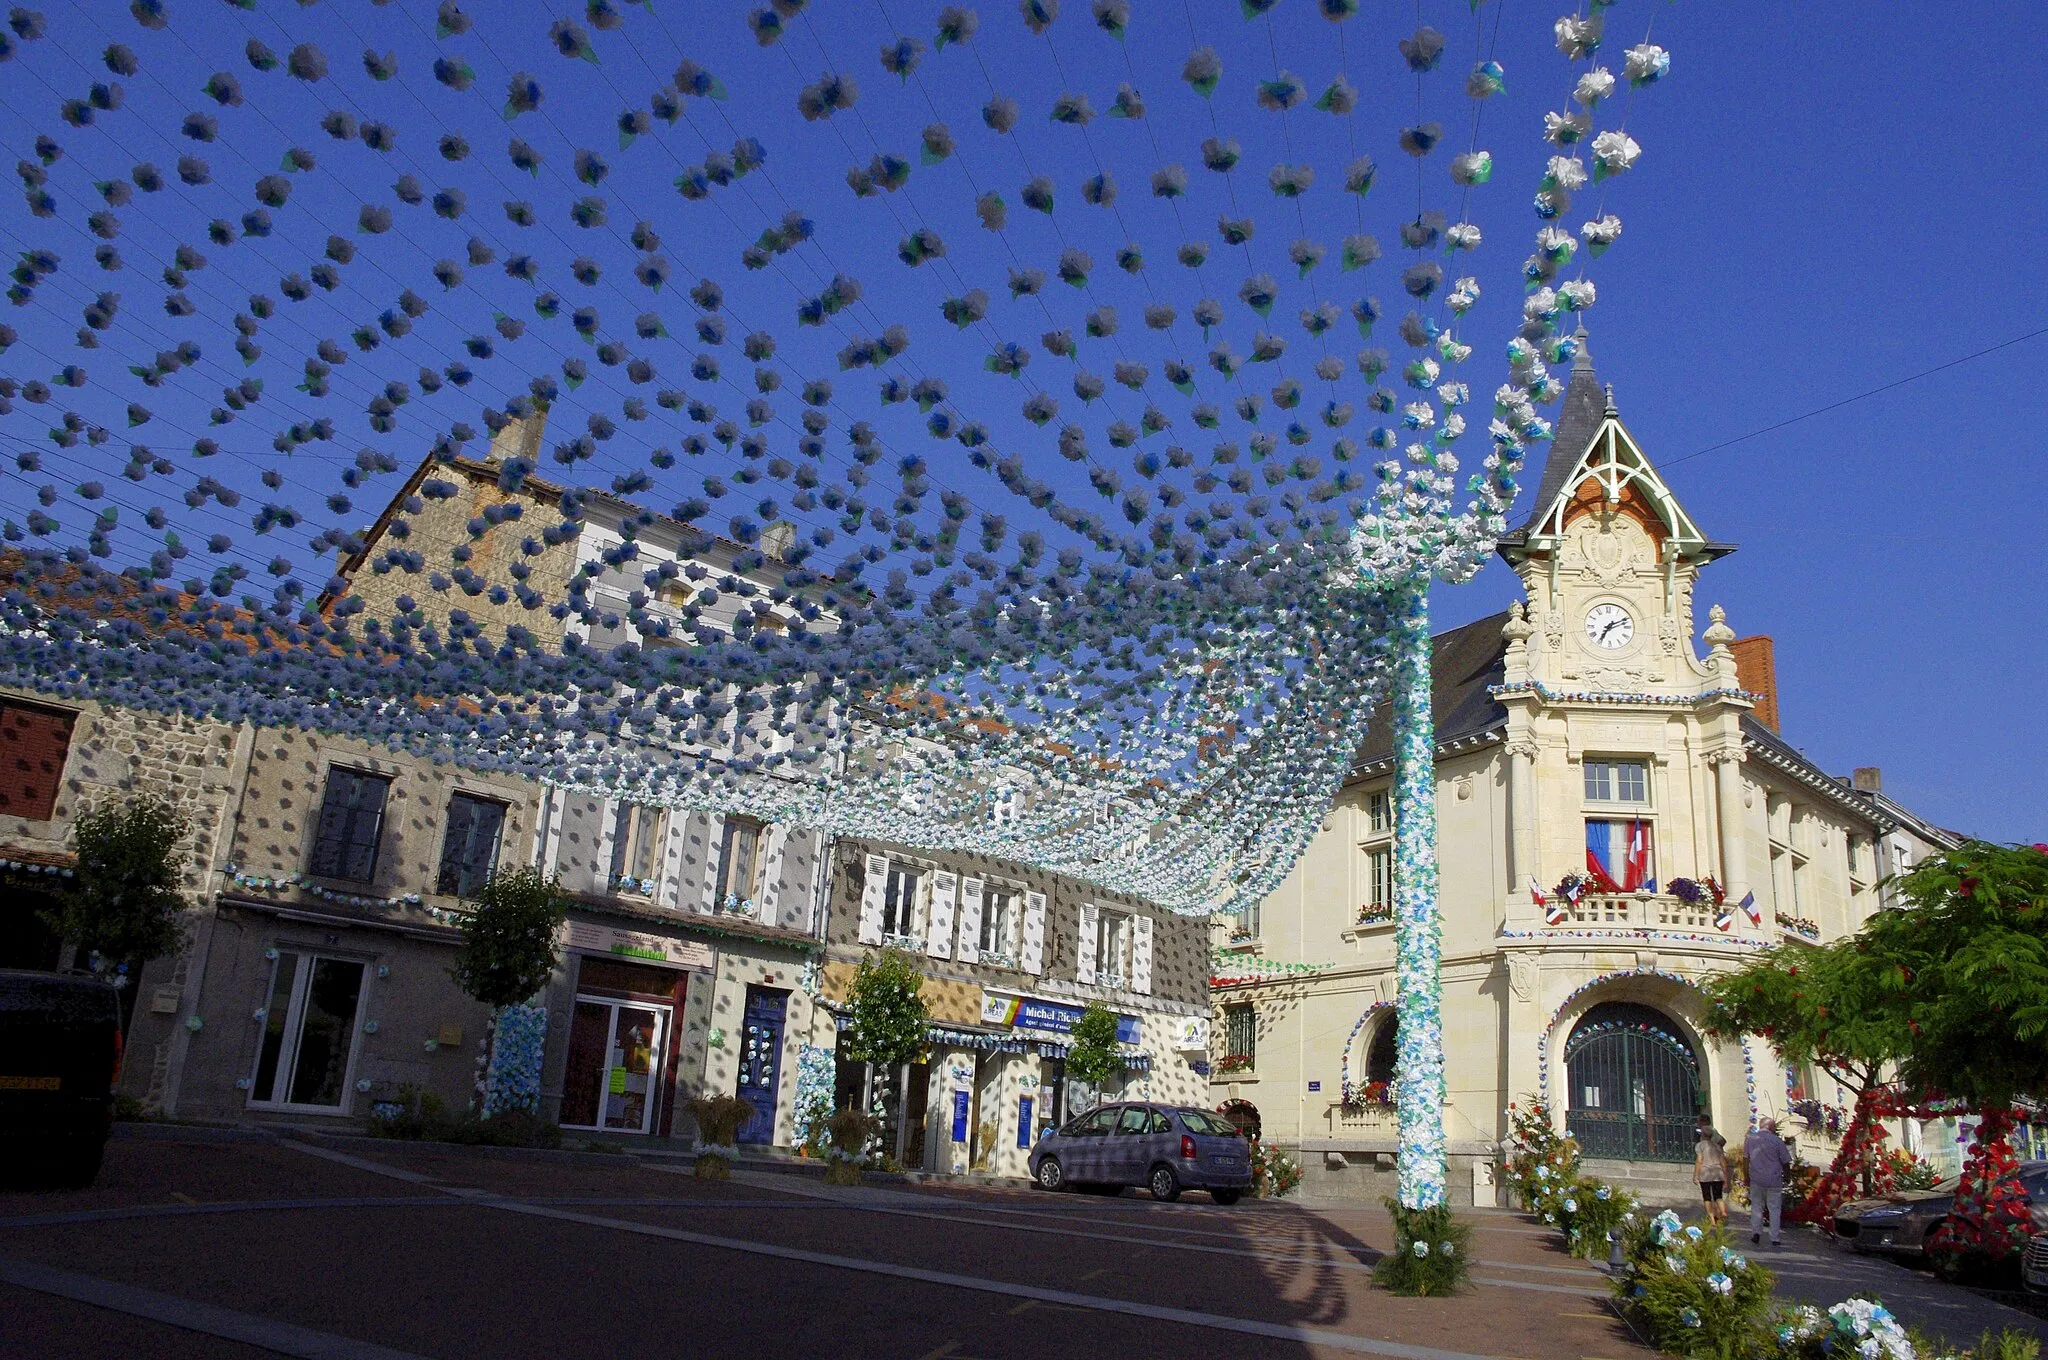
column 1381, row 1057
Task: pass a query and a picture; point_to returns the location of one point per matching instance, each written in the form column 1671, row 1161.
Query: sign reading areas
column 1045, row 1017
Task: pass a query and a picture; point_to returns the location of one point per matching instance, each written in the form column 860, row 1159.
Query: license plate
column 31, row 1083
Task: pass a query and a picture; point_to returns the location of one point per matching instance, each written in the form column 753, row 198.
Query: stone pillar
column 1418, row 932
column 1728, row 802
column 1521, row 750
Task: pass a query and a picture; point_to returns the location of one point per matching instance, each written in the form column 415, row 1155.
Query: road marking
column 1022, row 1307
column 76, row 1216
column 182, row 1197
column 945, row 1349
column 1311, row 1336
column 1096, row 1274
column 870, row 1201
column 207, row 1319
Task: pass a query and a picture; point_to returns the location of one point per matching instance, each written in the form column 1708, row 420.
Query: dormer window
column 1617, row 781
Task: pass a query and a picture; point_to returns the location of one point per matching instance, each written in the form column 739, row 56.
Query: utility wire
column 1860, row 396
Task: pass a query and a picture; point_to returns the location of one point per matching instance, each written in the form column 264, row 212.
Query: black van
column 60, row 1055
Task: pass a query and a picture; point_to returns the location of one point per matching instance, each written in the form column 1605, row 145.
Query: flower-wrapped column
column 512, row 1076
column 1418, row 935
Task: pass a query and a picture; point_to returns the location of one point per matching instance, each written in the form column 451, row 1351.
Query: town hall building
column 1618, row 819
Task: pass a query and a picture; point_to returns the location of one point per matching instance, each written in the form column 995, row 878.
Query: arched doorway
column 1634, row 1084
column 1243, row 1116
column 1382, row 1057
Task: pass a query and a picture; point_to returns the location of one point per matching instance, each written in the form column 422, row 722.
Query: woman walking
column 1710, row 1171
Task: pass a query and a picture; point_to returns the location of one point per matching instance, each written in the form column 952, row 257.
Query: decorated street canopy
column 1087, row 390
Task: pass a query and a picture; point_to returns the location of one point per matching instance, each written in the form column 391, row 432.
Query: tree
column 1824, row 1005
column 508, row 942
column 124, row 901
column 1093, row 1057
column 888, row 1018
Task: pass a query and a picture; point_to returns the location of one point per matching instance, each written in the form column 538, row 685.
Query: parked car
column 1901, row 1222
column 2034, row 1265
column 60, row 1055
column 1166, row 1148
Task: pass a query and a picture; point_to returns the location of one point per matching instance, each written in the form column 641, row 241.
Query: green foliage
column 1431, row 1254
column 1967, row 958
column 123, row 901
column 1816, row 1003
column 1094, row 1058
column 1274, row 1173
column 421, row 1117
column 1693, row 1293
column 1541, row 1162
column 508, row 941
column 888, row 1021
column 1587, row 1210
column 1909, row 1172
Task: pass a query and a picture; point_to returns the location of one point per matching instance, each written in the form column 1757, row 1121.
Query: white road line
column 1313, row 1336
column 267, row 1333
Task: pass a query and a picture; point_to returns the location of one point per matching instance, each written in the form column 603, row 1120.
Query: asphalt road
column 380, row 1251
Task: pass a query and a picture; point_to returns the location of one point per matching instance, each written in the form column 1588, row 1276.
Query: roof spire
column 1577, row 422
column 1582, row 362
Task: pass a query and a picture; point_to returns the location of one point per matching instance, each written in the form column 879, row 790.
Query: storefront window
column 619, row 1046
column 309, row 1029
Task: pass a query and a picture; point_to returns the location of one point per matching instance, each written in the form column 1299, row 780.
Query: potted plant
column 851, row 1132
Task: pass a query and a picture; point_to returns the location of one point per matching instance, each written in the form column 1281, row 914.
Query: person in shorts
column 1710, row 1171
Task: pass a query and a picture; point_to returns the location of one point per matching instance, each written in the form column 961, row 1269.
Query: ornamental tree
column 508, row 941
column 123, row 902
column 1093, row 1057
column 888, row 1014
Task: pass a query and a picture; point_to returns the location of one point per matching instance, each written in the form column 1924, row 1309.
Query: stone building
column 1618, row 818
column 1011, row 958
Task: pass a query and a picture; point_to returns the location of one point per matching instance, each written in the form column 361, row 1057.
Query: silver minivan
column 1166, row 1148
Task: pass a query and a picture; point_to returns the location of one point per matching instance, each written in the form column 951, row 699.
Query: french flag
column 1622, row 845
column 1750, row 909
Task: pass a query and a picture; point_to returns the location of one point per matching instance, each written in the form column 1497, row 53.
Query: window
column 998, row 909
column 309, row 1031
column 1621, row 855
column 351, row 822
column 637, row 833
column 899, row 899
column 739, row 861
column 1379, row 879
column 1382, row 1057
column 33, row 744
column 469, row 854
column 1379, row 811
column 1137, row 1119
column 1241, row 1033
column 1113, row 949
column 1617, row 781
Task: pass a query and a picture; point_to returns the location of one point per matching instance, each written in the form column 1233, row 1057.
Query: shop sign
column 1191, row 1034
column 1046, row 1017
column 629, row 944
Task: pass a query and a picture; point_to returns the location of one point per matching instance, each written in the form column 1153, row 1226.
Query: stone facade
column 999, row 1017
column 1582, row 726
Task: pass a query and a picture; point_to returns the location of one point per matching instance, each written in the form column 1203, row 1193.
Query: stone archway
column 1634, row 1084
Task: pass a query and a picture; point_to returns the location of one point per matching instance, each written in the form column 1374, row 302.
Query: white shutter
column 768, row 895
column 938, row 940
column 548, row 843
column 970, row 920
column 1084, row 965
column 1034, row 933
column 607, row 829
column 871, row 900
column 675, row 850
column 714, row 830
column 1141, row 954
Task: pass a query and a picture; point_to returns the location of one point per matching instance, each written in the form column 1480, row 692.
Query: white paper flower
column 1569, row 172
column 1615, row 151
column 1646, row 62
column 1579, row 38
column 1594, row 86
column 1463, row 236
column 1564, row 129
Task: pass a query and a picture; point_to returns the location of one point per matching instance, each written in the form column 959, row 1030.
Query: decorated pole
column 1418, row 935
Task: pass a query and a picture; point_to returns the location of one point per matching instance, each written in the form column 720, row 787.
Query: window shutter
column 33, row 745
column 768, row 883
column 939, row 936
column 1034, row 933
column 714, row 845
column 871, row 900
column 1084, row 966
column 970, row 920
column 674, row 852
column 1141, row 954
column 366, row 821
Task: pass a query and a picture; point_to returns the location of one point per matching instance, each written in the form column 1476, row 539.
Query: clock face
column 1609, row 626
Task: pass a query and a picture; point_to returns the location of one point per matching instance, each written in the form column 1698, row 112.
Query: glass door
column 614, row 1057
column 309, row 1029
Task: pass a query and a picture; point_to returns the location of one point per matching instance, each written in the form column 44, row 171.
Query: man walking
column 1769, row 1158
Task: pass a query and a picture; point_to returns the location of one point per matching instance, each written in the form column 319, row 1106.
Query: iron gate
column 1635, row 1086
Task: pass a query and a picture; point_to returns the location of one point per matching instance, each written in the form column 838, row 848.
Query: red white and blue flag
column 1618, row 856
column 1751, row 910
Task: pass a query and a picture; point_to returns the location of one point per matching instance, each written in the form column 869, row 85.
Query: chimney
column 520, row 438
column 1867, row 779
column 1756, row 670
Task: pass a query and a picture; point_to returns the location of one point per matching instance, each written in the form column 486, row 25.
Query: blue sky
column 1830, row 197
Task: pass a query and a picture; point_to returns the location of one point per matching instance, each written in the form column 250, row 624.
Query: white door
column 309, row 1033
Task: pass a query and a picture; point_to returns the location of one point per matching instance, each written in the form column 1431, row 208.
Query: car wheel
column 1051, row 1175
column 78, row 1167
column 1165, row 1186
column 1226, row 1197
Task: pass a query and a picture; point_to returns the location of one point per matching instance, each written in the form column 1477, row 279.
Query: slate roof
column 1585, row 407
column 1466, row 661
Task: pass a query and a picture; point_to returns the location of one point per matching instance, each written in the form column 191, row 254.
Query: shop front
column 625, row 1031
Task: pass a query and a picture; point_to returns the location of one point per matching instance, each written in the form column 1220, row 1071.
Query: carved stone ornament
column 1667, row 635
column 1553, row 630
column 1523, row 746
column 1522, row 977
